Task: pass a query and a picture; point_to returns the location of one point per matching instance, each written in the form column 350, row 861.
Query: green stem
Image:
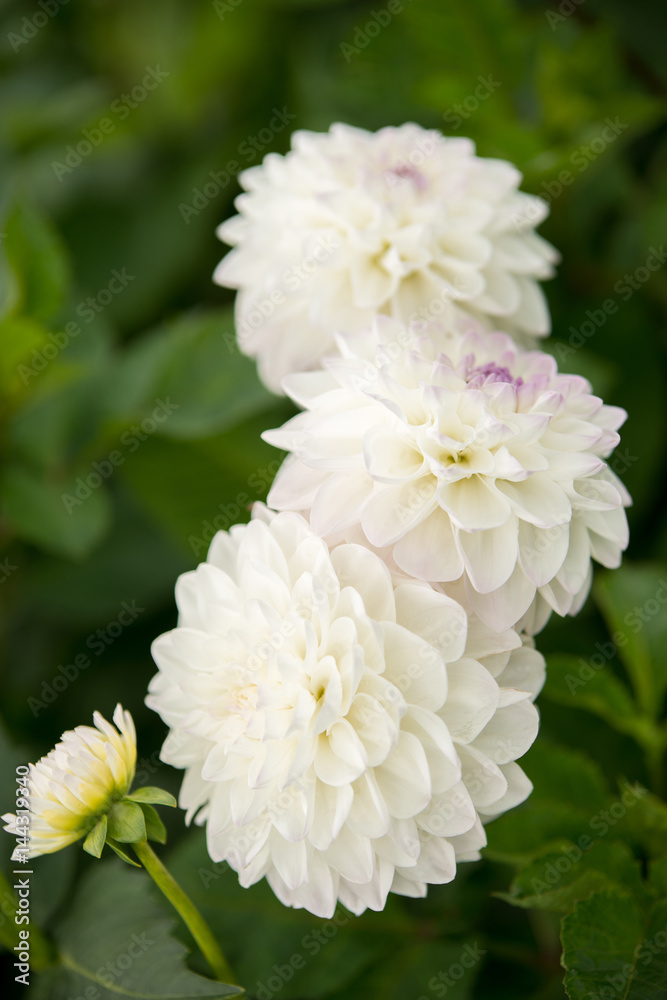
column 42, row 953
column 189, row 913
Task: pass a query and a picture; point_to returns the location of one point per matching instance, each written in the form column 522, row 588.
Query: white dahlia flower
column 403, row 222
column 75, row 785
column 341, row 736
column 460, row 458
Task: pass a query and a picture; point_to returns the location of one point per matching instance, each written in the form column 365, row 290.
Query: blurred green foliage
column 124, row 125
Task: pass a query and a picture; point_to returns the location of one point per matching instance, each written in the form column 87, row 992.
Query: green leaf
column 121, row 852
column 569, row 793
column 155, row 828
column 63, row 517
column 633, row 602
column 37, row 257
column 611, row 947
column 94, row 842
column 115, row 941
column 557, row 880
column 153, row 795
column 126, row 823
column 194, row 366
column 574, row 682
column 646, row 825
column 19, row 337
column 61, row 414
column 225, row 475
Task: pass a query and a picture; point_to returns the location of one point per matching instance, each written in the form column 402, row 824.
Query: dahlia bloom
column 461, row 458
column 342, row 735
column 74, row 785
column 403, row 222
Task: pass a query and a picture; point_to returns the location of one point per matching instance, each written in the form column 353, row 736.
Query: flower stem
column 184, row 906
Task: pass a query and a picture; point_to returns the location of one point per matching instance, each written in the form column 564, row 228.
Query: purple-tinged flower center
column 407, row 172
column 489, row 373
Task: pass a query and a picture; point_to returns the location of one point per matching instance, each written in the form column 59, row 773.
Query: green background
column 138, row 203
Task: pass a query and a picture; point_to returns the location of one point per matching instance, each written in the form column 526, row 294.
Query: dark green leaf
column 569, row 793
column 192, row 375
column 633, row 602
column 610, row 944
column 576, row 683
column 116, row 941
column 557, row 880
column 62, row 517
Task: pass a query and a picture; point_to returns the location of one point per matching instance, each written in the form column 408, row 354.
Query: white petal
column 358, row 567
column 404, row 778
column 538, row 500
column 415, row 667
column 482, row 777
column 393, row 510
column 542, row 551
column 435, row 617
column 489, row 556
column 340, row 756
column 450, row 814
column 519, row 787
column 472, row 699
column 428, row 551
column 474, row 505
column 502, row 608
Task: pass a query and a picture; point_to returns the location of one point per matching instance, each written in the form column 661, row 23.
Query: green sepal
column 126, row 822
column 153, row 796
column 94, row 842
column 122, row 853
column 155, row 828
